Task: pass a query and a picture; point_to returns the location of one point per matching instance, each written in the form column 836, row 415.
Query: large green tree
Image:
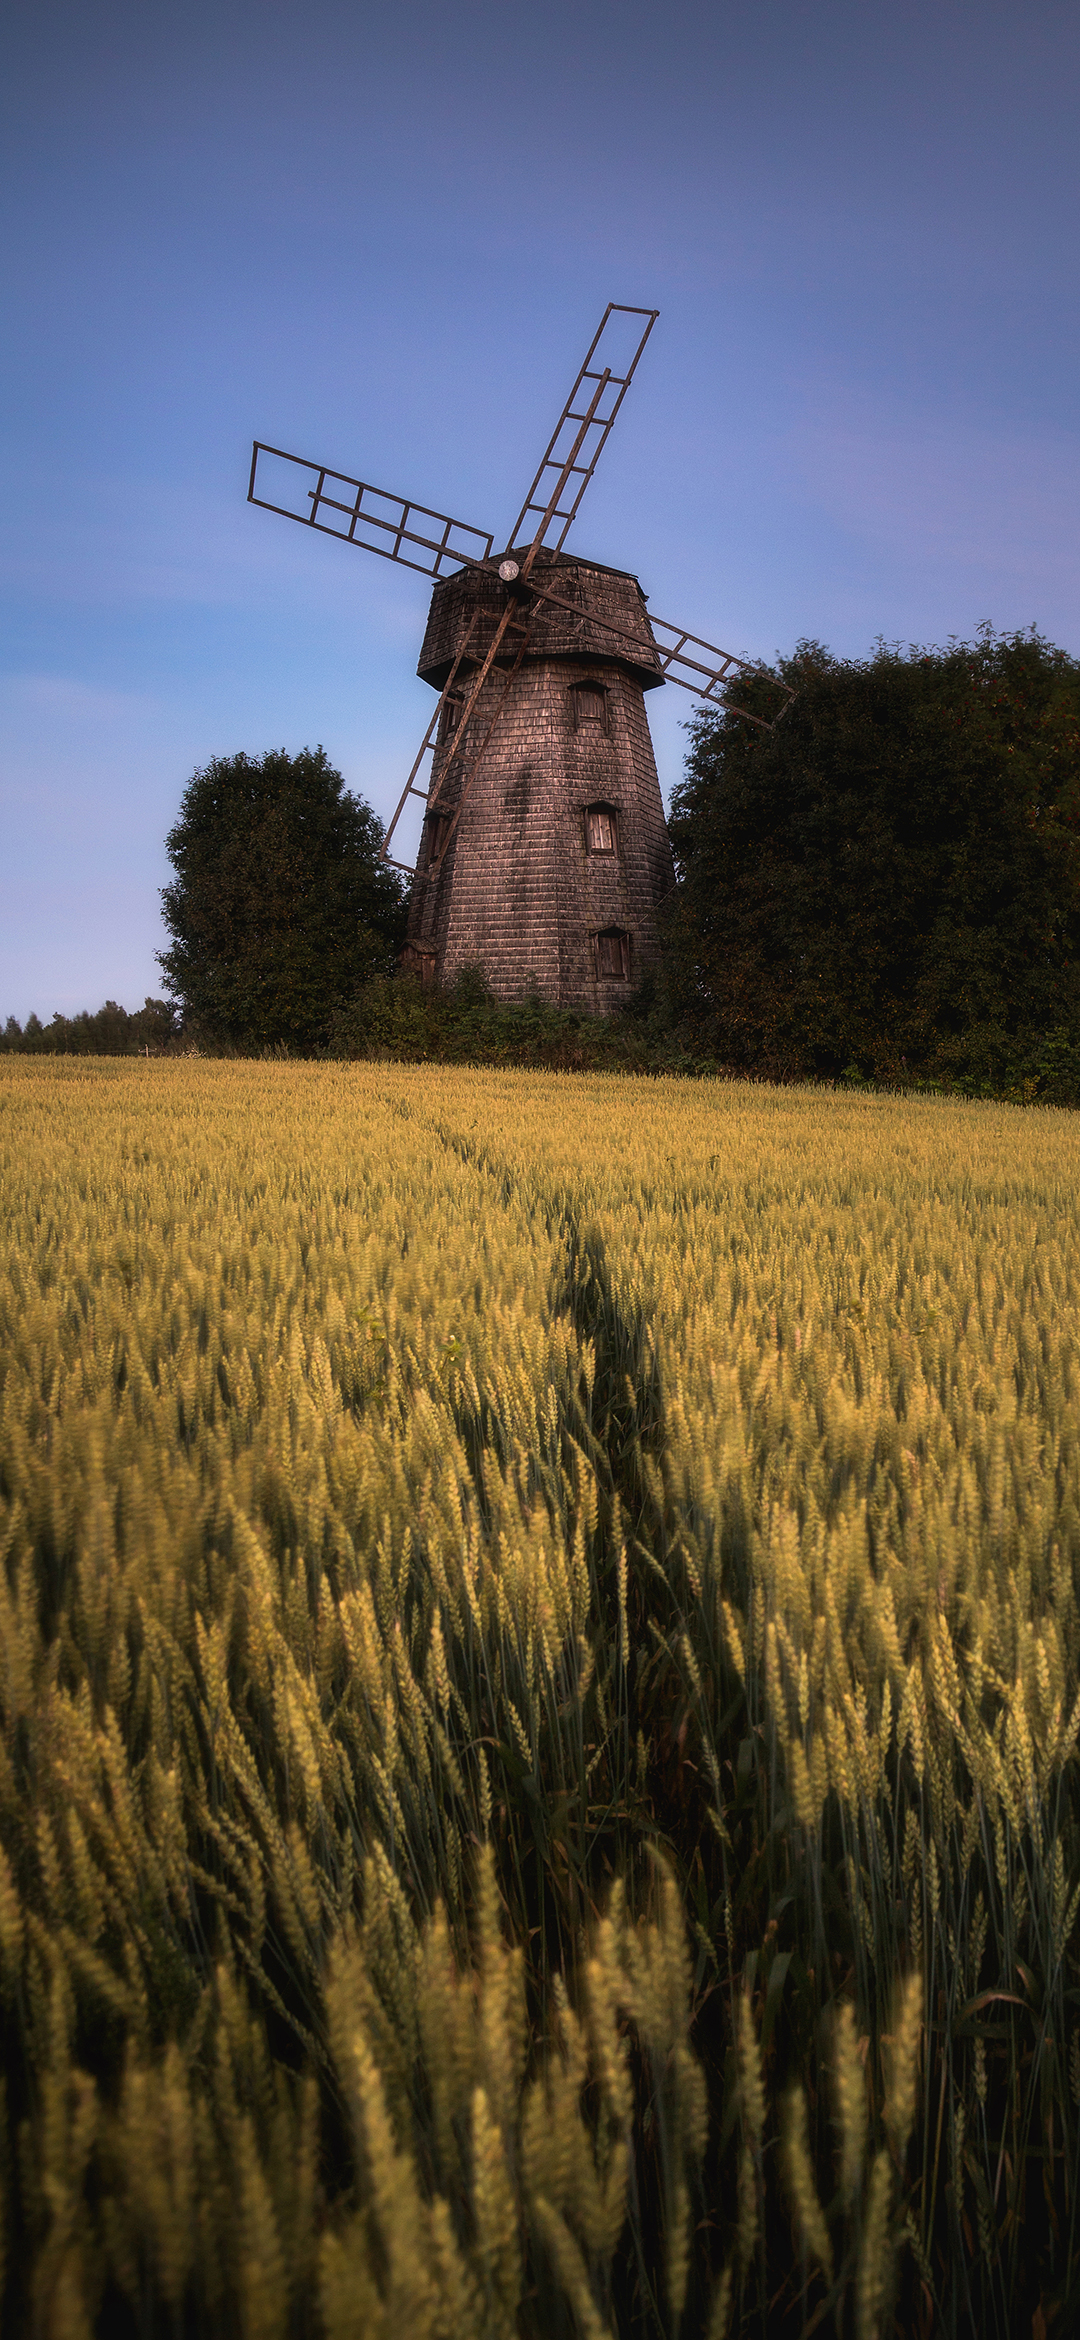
column 281, row 907
column 890, row 879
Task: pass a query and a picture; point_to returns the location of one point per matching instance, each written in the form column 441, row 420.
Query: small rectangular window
column 415, row 961
column 613, row 956
column 437, row 825
column 450, row 715
column 589, row 705
column 600, row 829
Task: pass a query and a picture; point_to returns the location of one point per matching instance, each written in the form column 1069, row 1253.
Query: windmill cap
column 595, row 591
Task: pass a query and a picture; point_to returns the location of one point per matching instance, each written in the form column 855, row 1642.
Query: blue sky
column 383, row 237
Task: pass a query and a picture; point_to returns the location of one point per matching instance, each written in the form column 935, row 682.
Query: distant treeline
column 147, row 1031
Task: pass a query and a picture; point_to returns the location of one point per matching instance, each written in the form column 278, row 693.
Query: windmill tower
column 544, row 856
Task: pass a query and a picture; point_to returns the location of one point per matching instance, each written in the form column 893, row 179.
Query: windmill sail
column 361, row 514
column 581, row 432
column 511, row 636
column 705, row 675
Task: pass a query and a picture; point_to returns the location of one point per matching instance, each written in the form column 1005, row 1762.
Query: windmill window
column 419, row 962
column 437, row 825
column 590, row 706
column 601, row 835
column 611, row 954
column 450, row 715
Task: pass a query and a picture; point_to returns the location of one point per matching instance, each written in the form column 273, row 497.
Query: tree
column 113, row 1031
column 889, row 881
column 281, row 907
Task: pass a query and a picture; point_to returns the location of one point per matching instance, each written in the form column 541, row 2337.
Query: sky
column 382, row 237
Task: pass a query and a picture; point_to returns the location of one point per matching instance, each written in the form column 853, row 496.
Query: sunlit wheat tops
column 540, row 1684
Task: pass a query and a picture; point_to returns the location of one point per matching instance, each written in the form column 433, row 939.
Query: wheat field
column 540, row 1682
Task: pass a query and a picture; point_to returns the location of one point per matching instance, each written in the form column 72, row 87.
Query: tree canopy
column 889, row 881
column 281, row 907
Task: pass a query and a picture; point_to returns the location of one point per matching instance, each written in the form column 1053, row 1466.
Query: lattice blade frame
column 703, row 669
column 510, row 621
column 427, row 747
column 371, row 517
column 579, row 437
column 704, row 675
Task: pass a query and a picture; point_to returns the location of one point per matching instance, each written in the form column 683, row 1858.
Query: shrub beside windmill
column 544, row 855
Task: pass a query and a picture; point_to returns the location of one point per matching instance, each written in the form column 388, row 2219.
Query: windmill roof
column 467, row 605
column 564, row 560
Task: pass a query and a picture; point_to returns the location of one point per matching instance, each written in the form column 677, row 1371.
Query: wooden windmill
column 543, row 855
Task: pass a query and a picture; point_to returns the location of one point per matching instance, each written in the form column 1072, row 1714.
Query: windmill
column 543, row 853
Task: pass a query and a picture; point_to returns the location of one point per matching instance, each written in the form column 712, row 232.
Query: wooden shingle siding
column 519, row 894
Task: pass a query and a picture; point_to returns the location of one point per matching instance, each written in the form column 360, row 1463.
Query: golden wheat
column 375, row 1443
